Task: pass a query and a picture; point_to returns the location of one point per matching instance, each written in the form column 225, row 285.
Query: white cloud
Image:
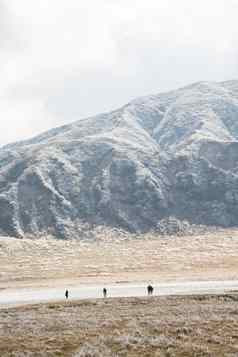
column 62, row 59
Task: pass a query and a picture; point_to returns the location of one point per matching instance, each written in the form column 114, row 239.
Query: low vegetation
column 113, row 257
column 165, row 326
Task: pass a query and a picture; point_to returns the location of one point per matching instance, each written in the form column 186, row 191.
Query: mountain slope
column 172, row 154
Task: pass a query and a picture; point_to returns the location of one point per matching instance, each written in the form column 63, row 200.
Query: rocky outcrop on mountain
column 168, row 155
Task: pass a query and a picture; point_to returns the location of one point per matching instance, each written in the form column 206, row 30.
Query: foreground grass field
column 165, row 326
column 113, row 258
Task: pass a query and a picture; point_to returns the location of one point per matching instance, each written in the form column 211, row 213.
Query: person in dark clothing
column 150, row 290
column 67, row 294
column 104, row 292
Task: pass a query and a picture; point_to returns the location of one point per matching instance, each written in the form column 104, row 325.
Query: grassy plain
column 165, row 326
column 211, row 256
column 158, row 326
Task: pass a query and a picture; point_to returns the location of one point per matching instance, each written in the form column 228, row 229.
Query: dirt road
column 18, row 297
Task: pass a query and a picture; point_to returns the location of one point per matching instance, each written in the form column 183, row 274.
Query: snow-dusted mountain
column 172, row 154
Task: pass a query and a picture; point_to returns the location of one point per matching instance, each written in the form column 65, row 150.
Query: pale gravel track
column 25, row 296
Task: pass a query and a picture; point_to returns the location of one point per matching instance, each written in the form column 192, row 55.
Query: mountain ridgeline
column 167, row 155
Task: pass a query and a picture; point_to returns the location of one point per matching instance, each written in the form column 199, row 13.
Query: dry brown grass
column 174, row 326
column 109, row 259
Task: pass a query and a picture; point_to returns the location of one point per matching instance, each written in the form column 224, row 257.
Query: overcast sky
column 61, row 60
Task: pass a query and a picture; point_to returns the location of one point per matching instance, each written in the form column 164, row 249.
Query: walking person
column 66, row 294
column 104, row 292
